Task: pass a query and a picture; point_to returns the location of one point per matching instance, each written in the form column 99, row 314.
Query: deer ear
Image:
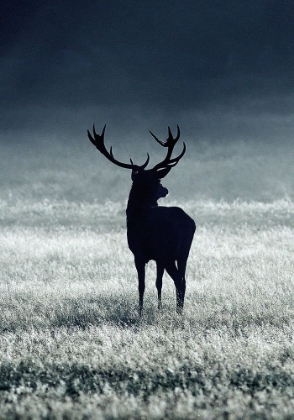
column 161, row 173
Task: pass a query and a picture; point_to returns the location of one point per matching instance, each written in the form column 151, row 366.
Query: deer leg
column 175, row 275
column 159, row 275
column 182, row 263
column 140, row 266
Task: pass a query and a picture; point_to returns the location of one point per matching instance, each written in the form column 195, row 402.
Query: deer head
column 147, row 187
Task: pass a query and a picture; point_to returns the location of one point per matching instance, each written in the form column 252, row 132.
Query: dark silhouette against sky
column 169, row 56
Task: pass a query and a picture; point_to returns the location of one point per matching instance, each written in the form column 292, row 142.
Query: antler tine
column 170, row 136
column 157, row 139
column 98, row 141
column 170, row 144
column 174, row 161
column 102, row 134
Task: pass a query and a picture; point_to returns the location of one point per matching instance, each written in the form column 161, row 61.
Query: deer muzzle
column 162, row 191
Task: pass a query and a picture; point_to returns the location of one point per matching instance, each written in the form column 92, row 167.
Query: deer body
column 162, row 234
column 159, row 234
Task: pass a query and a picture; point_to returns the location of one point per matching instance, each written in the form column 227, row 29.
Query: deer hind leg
column 182, row 263
column 140, row 266
column 180, row 284
column 159, row 275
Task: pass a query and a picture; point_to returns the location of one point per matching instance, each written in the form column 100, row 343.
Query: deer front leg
column 140, row 266
column 159, row 275
column 180, row 298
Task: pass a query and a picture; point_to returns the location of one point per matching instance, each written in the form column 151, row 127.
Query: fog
column 222, row 71
column 231, row 154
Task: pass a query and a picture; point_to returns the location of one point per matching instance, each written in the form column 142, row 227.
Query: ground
column 73, row 346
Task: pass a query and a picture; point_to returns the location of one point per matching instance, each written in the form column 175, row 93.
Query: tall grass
column 71, row 342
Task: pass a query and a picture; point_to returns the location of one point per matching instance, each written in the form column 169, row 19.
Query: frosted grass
column 72, row 344
column 110, row 215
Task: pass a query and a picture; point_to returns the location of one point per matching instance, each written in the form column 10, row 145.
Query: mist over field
column 231, row 154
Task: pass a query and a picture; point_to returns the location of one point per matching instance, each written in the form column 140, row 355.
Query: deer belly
column 161, row 235
column 159, row 243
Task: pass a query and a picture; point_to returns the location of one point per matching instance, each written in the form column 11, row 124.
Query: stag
column 162, row 234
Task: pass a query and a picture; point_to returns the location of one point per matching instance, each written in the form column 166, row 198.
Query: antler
column 170, row 144
column 98, row 141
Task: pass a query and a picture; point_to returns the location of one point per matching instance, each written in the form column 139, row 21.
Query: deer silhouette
column 162, row 234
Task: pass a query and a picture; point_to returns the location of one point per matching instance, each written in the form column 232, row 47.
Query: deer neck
column 138, row 204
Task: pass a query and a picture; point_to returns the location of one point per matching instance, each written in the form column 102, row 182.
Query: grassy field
column 73, row 347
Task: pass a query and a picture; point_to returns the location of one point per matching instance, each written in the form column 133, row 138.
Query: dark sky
column 166, row 55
